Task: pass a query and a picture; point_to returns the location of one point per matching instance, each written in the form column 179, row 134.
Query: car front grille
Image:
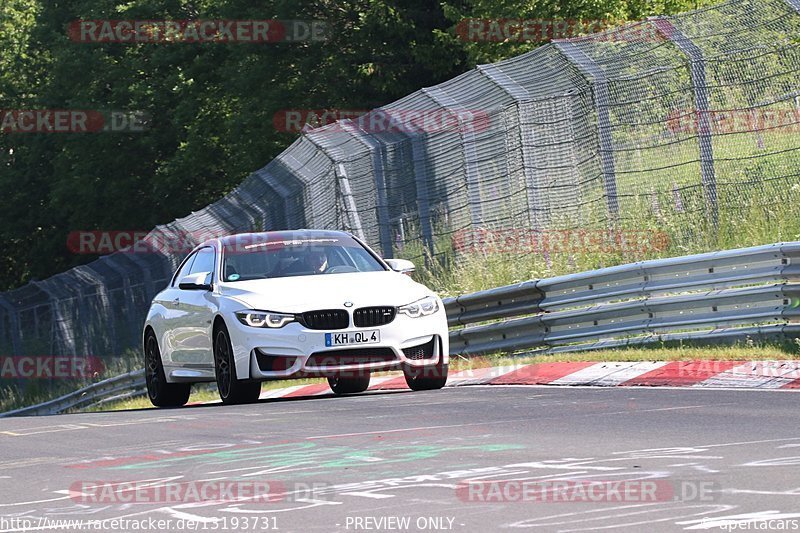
column 325, row 319
column 368, row 317
column 421, row 351
column 351, row 356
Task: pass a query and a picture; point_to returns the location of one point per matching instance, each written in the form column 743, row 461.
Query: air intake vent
column 421, row 351
column 326, row 319
column 369, row 317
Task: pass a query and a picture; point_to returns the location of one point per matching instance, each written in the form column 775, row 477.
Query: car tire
column 161, row 393
column 349, row 385
column 231, row 389
column 426, row 377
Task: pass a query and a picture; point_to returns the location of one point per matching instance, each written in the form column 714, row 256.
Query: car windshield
column 258, row 258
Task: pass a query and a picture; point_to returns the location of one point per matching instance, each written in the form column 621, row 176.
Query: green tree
column 210, row 105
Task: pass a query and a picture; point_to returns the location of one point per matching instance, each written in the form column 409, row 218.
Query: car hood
column 297, row 294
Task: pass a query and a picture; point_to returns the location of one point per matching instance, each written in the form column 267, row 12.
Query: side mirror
column 404, row 266
column 196, row 282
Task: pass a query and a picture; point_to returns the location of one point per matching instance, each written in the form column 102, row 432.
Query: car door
column 173, row 317
column 197, row 308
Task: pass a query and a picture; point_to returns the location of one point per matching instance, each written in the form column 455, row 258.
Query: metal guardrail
column 96, row 392
column 715, row 297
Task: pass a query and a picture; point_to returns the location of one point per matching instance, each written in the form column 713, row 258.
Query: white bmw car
column 289, row 304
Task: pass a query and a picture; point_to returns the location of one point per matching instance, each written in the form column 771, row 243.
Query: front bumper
column 295, row 351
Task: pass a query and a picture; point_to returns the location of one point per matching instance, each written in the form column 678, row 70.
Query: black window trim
column 191, row 257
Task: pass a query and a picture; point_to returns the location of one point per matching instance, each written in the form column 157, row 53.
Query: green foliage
column 211, row 109
column 210, row 106
column 605, row 13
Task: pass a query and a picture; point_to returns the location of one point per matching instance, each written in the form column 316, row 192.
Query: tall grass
column 663, row 228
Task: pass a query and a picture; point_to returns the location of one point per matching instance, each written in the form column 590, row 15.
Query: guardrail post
column 697, row 71
column 595, row 75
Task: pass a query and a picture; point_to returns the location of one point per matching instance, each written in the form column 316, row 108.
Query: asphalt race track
column 460, row 459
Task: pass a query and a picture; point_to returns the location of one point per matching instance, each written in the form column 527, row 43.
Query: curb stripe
column 756, row 374
column 392, row 383
column 279, row 393
column 699, row 373
column 309, row 390
column 619, row 373
column 682, row 373
column 480, row 376
column 539, row 374
column 606, row 374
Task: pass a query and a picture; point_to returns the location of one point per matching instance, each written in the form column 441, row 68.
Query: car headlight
column 424, row 307
column 264, row 319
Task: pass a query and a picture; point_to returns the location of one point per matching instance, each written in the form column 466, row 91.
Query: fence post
column 127, row 305
column 64, row 336
column 266, row 176
column 595, row 75
column 13, row 323
column 502, row 80
column 521, row 97
column 376, row 148
column 447, row 102
column 423, row 195
column 534, row 179
column 350, row 202
column 697, row 71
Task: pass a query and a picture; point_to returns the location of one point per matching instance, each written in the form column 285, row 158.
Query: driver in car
column 317, row 260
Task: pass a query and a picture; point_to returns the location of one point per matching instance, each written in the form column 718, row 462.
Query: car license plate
column 371, row 336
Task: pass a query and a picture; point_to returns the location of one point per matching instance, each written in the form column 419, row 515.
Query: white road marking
column 337, row 435
column 368, row 495
column 607, row 374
